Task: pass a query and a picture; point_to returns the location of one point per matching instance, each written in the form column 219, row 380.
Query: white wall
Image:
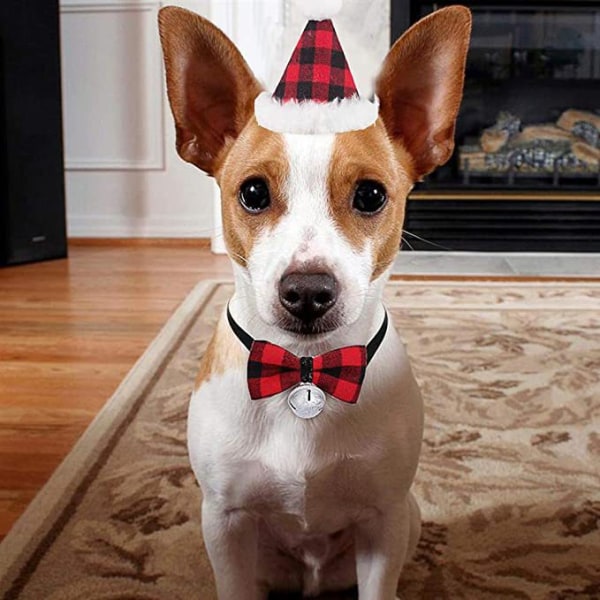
column 123, row 176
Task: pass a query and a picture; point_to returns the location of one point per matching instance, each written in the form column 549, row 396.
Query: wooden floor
column 69, row 332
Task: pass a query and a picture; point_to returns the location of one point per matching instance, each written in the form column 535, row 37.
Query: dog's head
column 314, row 221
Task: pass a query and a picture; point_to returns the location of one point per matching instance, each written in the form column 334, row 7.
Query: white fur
column 319, row 10
column 274, row 482
column 308, row 116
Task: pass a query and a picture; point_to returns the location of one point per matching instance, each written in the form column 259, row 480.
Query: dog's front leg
column 382, row 544
column 231, row 539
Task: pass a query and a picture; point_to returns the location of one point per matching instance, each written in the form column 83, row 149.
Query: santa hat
column 317, row 93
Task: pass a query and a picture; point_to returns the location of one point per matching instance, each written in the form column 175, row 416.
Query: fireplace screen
column 530, row 117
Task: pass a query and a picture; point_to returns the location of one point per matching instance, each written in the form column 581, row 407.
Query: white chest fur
column 308, row 477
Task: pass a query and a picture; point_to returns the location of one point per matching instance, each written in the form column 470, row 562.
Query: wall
column 123, row 176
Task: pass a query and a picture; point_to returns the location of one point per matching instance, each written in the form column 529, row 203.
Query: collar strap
column 306, row 361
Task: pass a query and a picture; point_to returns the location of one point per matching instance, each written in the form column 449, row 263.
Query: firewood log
column 476, row 161
column 586, row 153
column 492, row 140
column 571, row 116
column 542, row 132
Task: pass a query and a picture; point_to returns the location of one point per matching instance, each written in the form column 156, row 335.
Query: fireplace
column 525, row 174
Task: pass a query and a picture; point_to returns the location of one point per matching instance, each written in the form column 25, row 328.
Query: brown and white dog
column 321, row 504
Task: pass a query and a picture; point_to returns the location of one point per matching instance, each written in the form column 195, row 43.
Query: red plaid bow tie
column 340, row 373
column 272, row 369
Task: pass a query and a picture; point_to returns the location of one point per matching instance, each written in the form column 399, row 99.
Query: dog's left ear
column 420, row 86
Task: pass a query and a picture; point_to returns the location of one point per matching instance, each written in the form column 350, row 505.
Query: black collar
column 371, row 347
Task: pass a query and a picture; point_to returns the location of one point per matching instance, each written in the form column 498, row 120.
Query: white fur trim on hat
column 308, row 116
column 319, row 10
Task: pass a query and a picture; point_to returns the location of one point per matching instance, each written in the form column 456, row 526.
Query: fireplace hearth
column 525, row 174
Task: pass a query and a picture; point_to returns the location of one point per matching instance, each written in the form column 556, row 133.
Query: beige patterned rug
column 509, row 480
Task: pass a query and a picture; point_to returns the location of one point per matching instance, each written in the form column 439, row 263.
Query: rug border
column 511, row 305
column 34, row 522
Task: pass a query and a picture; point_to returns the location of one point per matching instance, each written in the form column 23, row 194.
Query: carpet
column 508, row 483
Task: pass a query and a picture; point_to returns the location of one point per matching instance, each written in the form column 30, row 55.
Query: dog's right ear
column 210, row 87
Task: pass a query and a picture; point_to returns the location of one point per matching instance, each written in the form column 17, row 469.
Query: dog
column 312, row 224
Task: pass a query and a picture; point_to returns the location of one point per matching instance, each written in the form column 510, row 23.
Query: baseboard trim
column 154, row 226
column 140, row 242
column 496, row 278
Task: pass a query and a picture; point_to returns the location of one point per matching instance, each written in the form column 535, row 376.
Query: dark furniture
column 534, row 60
column 32, row 204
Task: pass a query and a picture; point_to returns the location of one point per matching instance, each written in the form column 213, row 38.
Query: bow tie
column 340, row 373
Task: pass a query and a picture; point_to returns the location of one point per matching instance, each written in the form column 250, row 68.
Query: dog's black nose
column 307, row 295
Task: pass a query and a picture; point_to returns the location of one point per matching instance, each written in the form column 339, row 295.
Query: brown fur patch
column 257, row 152
column 370, row 154
column 223, row 353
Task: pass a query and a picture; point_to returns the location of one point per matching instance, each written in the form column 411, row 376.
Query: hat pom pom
column 319, row 10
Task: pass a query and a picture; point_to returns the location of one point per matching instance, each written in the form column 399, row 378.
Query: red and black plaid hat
column 318, row 69
column 317, row 92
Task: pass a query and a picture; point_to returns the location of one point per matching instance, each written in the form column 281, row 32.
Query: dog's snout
column 308, row 296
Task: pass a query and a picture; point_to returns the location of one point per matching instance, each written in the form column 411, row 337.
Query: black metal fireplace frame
column 501, row 216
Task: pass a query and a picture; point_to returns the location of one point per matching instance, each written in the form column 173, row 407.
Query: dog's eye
column 254, row 195
column 369, row 196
